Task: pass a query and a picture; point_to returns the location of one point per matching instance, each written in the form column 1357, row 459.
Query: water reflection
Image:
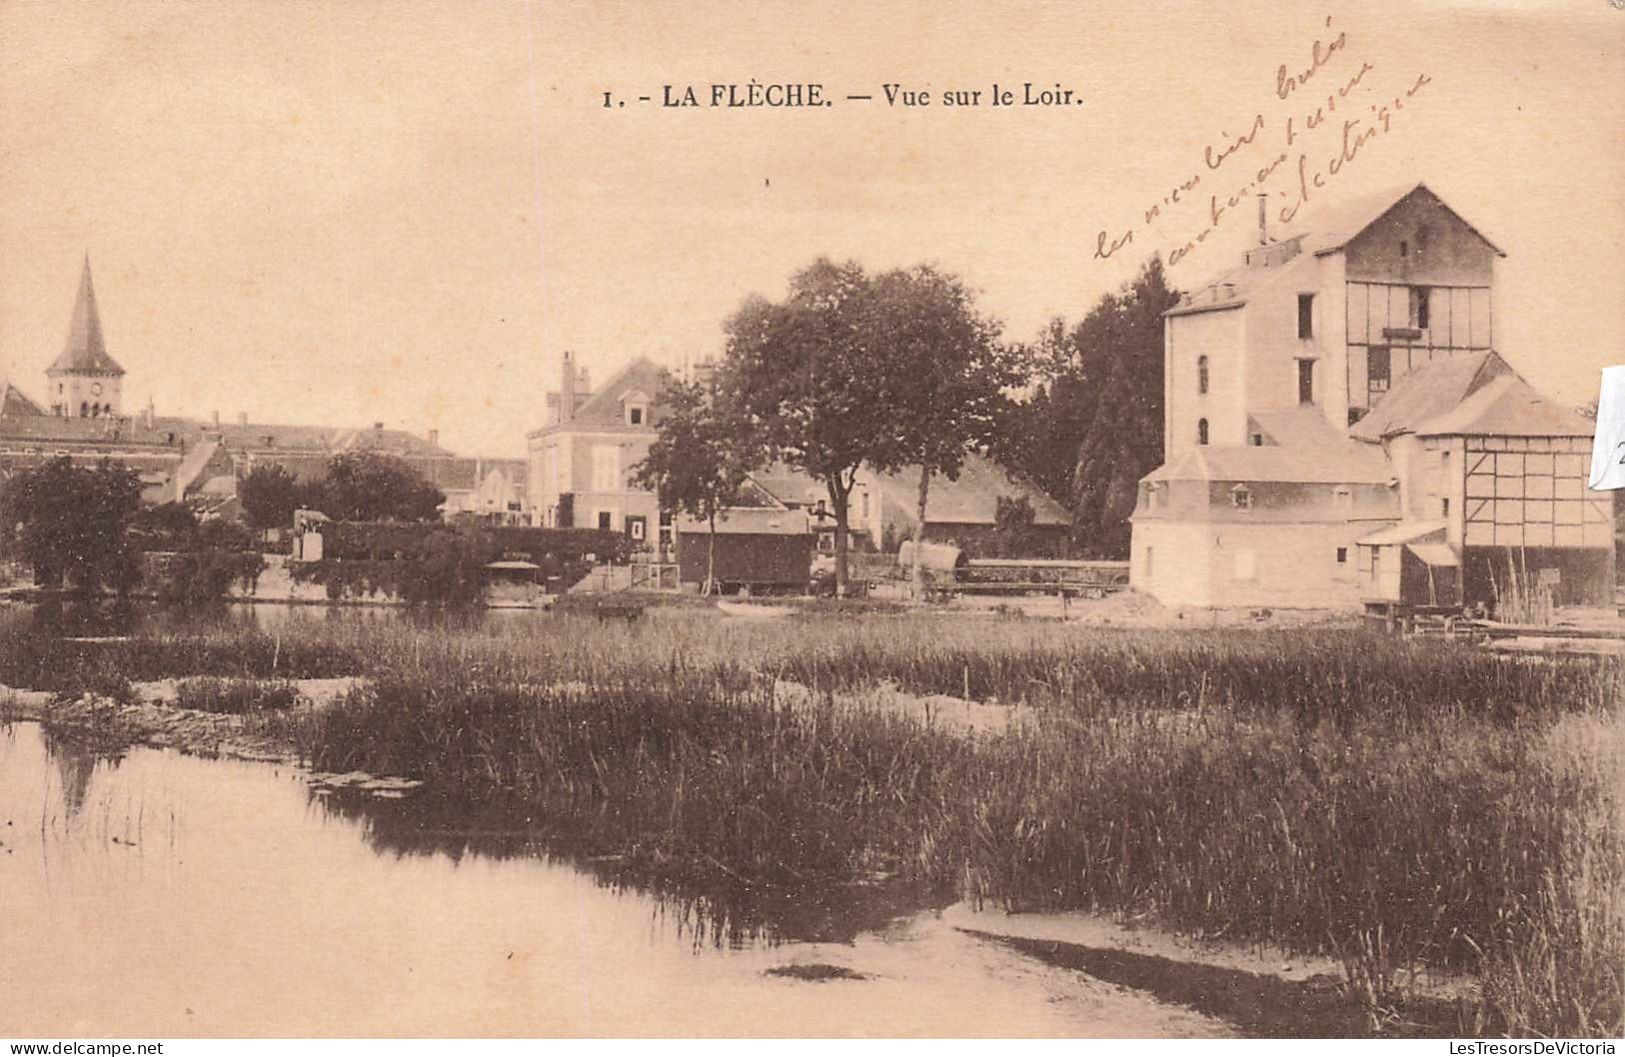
column 69, row 618
column 734, row 916
column 174, row 896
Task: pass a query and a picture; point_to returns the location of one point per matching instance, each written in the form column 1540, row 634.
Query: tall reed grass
column 1403, row 805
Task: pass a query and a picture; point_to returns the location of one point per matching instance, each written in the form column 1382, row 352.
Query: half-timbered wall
column 1531, row 492
column 1387, row 338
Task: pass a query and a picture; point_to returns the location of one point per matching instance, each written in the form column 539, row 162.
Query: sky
column 354, row 211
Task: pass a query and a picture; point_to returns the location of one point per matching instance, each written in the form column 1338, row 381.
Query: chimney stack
column 217, row 418
column 242, row 418
column 1263, row 222
column 567, row 389
column 434, row 437
column 148, row 415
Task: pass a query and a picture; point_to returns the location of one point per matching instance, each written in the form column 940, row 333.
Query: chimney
column 705, row 374
column 242, row 418
column 378, row 425
column 217, row 419
column 1263, row 222
column 148, row 415
column 567, row 389
column 434, row 437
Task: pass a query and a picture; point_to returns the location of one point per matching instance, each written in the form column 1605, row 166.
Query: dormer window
column 1241, row 497
column 636, row 405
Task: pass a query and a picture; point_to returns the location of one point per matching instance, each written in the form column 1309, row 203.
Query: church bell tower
column 84, row 381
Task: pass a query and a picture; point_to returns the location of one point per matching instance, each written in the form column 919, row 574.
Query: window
column 1241, row 497
column 863, row 502
column 606, row 468
column 1444, row 506
column 1342, row 555
column 1419, row 307
column 634, row 416
column 1306, row 381
column 606, row 520
column 1148, row 563
column 1201, row 374
column 1306, row 315
column 1256, row 440
column 1379, row 364
column 1404, row 248
column 1201, row 431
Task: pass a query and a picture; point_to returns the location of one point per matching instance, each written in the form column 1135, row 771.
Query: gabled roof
column 1428, row 391
column 603, row 408
column 85, row 350
column 974, row 497
column 1330, row 228
column 1338, row 224
column 1508, row 407
column 1339, row 463
column 14, row 402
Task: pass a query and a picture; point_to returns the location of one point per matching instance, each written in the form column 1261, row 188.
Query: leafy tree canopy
column 71, row 523
column 372, row 486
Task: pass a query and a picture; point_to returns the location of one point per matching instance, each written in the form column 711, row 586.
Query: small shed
column 1409, row 564
column 756, row 549
column 513, row 582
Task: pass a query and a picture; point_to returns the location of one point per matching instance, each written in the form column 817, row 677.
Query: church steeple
column 84, row 380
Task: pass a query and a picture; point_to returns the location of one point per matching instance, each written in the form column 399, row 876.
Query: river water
column 160, row 894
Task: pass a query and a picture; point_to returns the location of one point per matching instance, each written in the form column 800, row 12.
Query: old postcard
column 914, row 519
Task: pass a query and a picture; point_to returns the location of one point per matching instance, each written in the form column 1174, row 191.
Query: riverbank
column 1373, row 800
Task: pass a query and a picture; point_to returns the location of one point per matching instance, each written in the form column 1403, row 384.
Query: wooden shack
column 757, row 550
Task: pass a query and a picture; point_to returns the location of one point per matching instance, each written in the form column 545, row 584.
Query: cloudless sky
column 348, row 211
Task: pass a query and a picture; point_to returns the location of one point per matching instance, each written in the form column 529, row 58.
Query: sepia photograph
column 907, row 520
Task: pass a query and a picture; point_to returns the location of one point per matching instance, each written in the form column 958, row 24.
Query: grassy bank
column 1399, row 805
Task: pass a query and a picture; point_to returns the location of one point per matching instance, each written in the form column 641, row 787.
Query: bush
column 235, row 696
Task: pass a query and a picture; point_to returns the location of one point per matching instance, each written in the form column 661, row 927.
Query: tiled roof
column 85, row 350
column 1338, row 223
column 1328, row 229
column 1298, row 427
column 15, row 402
column 604, row 408
column 750, row 521
column 1232, row 289
column 1343, row 463
column 1508, row 407
column 973, row 498
column 1428, row 391
column 60, row 429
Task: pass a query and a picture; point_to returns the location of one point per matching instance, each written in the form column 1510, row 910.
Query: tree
column 372, row 486
column 1093, row 426
column 269, row 495
column 72, row 524
column 952, row 374
column 700, row 460
column 843, row 373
